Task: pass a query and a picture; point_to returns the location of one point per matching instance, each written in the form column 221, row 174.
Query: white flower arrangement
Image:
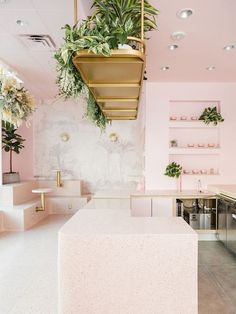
column 16, row 104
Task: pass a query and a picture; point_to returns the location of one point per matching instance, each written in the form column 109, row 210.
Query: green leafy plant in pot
column 11, row 143
column 174, row 170
column 211, row 115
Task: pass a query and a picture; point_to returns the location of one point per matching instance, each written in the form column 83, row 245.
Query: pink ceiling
column 212, row 26
column 209, row 29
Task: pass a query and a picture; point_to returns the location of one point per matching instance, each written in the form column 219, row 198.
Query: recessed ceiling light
column 165, row 68
column 184, row 13
column 176, row 36
column 21, row 22
column 229, row 47
column 211, row 68
column 173, row 47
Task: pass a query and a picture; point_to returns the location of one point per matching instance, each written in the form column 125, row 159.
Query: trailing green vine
column 111, row 24
column 94, row 113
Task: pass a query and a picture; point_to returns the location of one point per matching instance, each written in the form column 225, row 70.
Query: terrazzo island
column 110, row 262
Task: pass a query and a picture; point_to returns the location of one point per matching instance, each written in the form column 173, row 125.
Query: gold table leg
column 42, row 207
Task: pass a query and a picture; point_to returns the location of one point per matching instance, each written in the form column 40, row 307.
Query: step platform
column 17, row 193
column 21, row 217
column 18, row 203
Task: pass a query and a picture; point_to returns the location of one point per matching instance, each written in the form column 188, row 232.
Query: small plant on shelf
column 210, row 114
column 173, row 143
column 173, row 170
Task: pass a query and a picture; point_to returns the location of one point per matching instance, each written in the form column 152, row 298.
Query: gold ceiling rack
column 114, row 81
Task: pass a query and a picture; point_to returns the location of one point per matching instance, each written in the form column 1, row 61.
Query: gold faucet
column 59, row 182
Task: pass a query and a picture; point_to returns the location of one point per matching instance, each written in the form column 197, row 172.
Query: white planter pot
column 8, row 178
column 125, row 46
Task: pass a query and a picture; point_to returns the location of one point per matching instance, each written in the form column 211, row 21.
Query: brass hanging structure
column 114, row 81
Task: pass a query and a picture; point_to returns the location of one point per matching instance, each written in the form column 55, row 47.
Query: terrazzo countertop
column 226, row 189
column 119, row 221
column 119, row 194
column 174, row 193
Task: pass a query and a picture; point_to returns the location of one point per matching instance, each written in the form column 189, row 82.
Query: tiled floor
column 28, row 272
column 217, row 279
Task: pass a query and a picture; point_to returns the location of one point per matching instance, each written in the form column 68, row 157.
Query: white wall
column 157, row 131
column 89, row 155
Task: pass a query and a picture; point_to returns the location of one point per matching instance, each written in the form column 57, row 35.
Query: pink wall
column 24, row 161
column 158, row 96
column 157, row 131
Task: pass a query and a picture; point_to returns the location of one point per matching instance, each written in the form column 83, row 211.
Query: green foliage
column 110, row 25
column 11, row 141
column 211, row 115
column 127, row 11
column 173, row 170
column 94, row 113
column 16, row 104
column 69, row 79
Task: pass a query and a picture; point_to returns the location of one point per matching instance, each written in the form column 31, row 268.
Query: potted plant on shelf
column 211, row 114
column 109, row 27
column 175, row 170
column 173, row 143
column 11, row 143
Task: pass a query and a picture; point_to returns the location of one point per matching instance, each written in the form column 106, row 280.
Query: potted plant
column 174, row 170
column 11, row 143
column 173, row 143
column 109, row 27
column 211, row 115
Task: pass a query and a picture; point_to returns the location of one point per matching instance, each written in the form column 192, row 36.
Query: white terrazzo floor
column 28, row 268
column 28, row 272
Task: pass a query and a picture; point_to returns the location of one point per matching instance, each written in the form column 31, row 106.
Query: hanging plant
column 173, row 170
column 211, row 115
column 110, row 25
column 127, row 11
column 94, row 113
column 16, row 104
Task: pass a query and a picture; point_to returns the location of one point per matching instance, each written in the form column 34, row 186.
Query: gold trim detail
column 114, row 81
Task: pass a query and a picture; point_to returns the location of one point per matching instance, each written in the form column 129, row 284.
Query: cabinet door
column 141, row 206
column 221, row 212
column 162, row 207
